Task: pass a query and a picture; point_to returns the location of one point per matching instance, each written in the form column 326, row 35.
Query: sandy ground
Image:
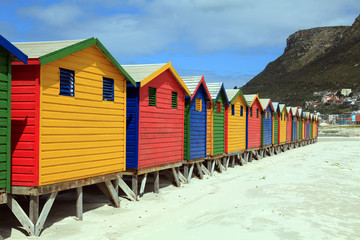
column 311, row 192
column 339, row 130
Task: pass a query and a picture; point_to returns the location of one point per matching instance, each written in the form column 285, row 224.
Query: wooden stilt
column 116, row 185
column 233, row 161
column 143, row 184
column 182, row 178
column 79, row 203
column 156, row 182
column 104, row 190
column 190, row 173
column 204, row 169
column 186, row 171
column 20, row 215
column 213, row 162
column 44, row 213
column 176, row 176
column 134, row 184
column 199, row 170
column 114, row 196
column 208, row 166
column 227, row 160
column 34, row 208
column 127, row 190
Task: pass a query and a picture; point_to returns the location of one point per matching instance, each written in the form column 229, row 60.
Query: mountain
column 317, row 59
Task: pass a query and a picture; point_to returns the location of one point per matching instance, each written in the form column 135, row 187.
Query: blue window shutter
column 67, row 82
column 232, row 109
column 241, row 111
column 108, row 89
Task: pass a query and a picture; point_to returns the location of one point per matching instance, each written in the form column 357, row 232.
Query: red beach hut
column 253, row 123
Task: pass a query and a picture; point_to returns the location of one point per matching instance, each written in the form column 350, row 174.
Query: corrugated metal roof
column 231, row 93
column 249, row 98
column 276, row 105
column 140, row 71
column 288, row 109
column 191, row 82
column 39, row 49
column 294, row 110
column 214, row 89
column 264, row 102
column 281, row 107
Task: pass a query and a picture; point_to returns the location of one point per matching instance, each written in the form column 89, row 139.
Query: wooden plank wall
column 254, row 126
column 237, row 126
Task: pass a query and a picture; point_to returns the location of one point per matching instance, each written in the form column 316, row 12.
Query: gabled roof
column 306, row 115
column 13, row 50
column 288, row 109
column 250, row 99
column 51, row 51
column 282, row 108
column 233, row 93
column 145, row 73
column 265, row 102
column 193, row 83
column 294, row 110
column 276, row 106
column 215, row 89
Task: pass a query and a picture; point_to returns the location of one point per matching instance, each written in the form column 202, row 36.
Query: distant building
column 345, row 91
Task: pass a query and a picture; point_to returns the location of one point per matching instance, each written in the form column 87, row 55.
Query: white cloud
column 139, row 27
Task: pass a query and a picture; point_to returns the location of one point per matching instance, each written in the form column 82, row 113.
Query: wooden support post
column 199, row 170
column 44, row 213
column 79, row 203
column 34, row 208
column 176, row 176
column 190, row 173
column 20, row 215
column 221, row 167
column 186, row 171
column 113, row 193
column 208, row 166
column 134, row 184
column 213, row 162
column 127, row 190
column 204, row 169
column 227, row 160
column 104, row 190
column 143, row 184
column 233, row 161
column 156, row 182
column 116, row 185
column 182, row 178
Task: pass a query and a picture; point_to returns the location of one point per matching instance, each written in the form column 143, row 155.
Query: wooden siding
column 254, row 126
column 282, row 123
column 219, row 125
column 5, row 118
column 198, row 120
column 275, row 129
column 132, row 130
column 81, row 136
column 267, row 127
column 209, row 129
column 294, row 129
column 187, row 129
column 237, row 126
column 25, row 125
column 161, row 128
column 288, row 127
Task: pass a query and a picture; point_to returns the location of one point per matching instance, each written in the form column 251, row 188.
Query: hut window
column 251, row 112
column 257, row 113
column 108, row 89
column 218, row 107
column 152, row 96
column 67, row 82
column 281, row 117
column 174, row 100
column 198, row 104
column 209, row 105
column 241, row 111
column 232, row 109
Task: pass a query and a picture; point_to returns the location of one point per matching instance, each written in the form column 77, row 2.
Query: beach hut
column 195, row 123
column 300, row 123
column 8, row 54
column 236, row 122
column 68, row 119
column 216, row 120
column 282, row 123
column 267, row 122
column 276, row 117
column 311, row 125
column 306, row 116
column 289, row 124
column 155, row 121
column 253, row 136
column 295, row 117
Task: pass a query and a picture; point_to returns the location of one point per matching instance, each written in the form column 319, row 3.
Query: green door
column 219, row 124
column 5, row 118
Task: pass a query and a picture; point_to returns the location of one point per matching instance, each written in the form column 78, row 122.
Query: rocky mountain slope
column 325, row 58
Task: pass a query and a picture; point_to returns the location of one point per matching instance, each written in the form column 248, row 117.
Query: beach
column 310, row 192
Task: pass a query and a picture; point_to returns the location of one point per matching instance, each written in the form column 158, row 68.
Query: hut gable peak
column 233, row 93
column 266, row 102
column 193, row 83
column 145, row 73
column 13, row 50
column 49, row 51
column 252, row 98
column 215, row 90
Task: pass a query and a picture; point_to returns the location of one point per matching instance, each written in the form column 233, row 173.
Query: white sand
column 312, row 192
column 339, row 130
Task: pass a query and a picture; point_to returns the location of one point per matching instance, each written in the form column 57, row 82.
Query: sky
column 228, row 41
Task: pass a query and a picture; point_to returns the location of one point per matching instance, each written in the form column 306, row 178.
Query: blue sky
column 228, row 41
